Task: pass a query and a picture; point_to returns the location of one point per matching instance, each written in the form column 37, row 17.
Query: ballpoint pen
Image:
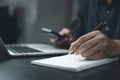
column 98, row 27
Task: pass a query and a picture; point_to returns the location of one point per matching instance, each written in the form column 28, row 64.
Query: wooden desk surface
column 22, row 69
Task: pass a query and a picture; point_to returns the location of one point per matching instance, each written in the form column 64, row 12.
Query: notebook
column 35, row 49
column 72, row 62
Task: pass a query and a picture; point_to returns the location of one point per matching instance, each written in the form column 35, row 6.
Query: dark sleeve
column 78, row 25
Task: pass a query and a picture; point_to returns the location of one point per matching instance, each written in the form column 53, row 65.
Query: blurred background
column 27, row 17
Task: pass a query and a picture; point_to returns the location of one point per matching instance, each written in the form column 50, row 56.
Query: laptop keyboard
column 21, row 49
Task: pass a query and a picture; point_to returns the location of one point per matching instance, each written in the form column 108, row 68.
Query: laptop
column 33, row 49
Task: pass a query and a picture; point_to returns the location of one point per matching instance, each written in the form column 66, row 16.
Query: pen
column 98, row 27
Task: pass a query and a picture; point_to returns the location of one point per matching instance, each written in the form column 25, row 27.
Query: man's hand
column 94, row 45
column 63, row 42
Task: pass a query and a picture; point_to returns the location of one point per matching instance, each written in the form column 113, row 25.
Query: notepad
column 72, row 62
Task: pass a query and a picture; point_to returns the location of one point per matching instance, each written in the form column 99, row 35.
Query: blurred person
column 96, row 44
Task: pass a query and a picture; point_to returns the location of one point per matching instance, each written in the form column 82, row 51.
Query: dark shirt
column 92, row 12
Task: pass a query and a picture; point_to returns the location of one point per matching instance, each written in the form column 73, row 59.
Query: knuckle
column 103, row 41
column 97, row 32
column 73, row 44
column 81, row 38
column 101, row 37
column 105, row 44
column 84, row 45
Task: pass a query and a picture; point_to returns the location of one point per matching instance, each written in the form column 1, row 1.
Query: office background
column 34, row 14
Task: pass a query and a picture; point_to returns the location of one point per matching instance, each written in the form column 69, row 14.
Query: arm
column 77, row 28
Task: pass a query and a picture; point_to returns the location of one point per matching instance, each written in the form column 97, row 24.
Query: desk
column 21, row 69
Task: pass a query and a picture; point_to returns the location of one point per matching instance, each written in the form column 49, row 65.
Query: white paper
column 72, row 62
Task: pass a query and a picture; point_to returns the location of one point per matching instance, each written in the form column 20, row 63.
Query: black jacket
column 92, row 12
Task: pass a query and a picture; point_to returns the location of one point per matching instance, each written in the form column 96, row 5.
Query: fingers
column 81, row 40
column 88, row 48
column 53, row 40
column 99, row 55
column 66, row 40
column 58, row 42
column 64, row 31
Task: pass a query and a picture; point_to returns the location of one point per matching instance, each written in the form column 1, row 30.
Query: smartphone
column 52, row 33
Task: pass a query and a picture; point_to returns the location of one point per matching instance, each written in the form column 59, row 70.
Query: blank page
column 72, row 62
